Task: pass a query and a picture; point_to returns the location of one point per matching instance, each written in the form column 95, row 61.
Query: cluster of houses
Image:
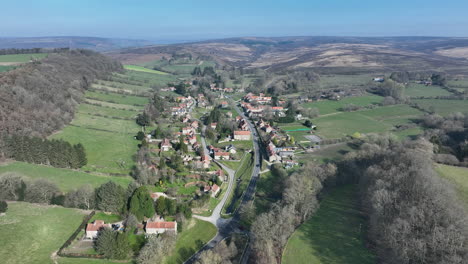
column 226, row 90
column 183, row 108
column 157, row 225
column 255, row 106
column 278, row 154
column 203, row 102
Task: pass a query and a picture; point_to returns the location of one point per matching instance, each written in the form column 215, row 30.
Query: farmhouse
column 213, row 125
column 156, row 195
column 241, row 135
column 160, row 227
column 166, row 145
column 224, row 104
column 92, row 229
column 221, row 155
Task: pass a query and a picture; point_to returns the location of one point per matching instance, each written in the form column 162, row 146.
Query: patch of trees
column 41, row 97
column 299, row 201
column 225, row 252
column 413, row 214
column 449, row 136
column 31, row 51
column 3, row 206
column 113, row 245
column 15, row 187
column 56, row 153
column 156, row 248
column 389, row 88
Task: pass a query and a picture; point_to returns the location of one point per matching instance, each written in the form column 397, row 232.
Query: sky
column 204, row 19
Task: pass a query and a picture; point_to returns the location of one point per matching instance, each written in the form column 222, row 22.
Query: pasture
column 34, row 231
column 143, row 69
column 195, row 235
column 377, row 120
column 327, row 106
column 335, row 234
column 443, row 107
column 458, row 176
column 65, row 179
column 21, row 58
column 416, row 90
column 6, row 68
column 107, row 138
column 117, row 98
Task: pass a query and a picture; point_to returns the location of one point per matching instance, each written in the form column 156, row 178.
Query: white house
column 160, row 227
column 166, row 145
column 221, row 155
column 92, row 229
column 241, row 135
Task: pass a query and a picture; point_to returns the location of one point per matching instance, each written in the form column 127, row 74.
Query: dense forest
column 40, row 97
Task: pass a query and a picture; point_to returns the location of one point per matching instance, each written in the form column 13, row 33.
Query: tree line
column 31, row 51
column 413, row 215
column 56, row 153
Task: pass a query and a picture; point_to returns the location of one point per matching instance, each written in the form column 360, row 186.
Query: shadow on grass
column 335, row 234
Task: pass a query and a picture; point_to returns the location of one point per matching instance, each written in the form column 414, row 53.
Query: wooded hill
column 40, row 97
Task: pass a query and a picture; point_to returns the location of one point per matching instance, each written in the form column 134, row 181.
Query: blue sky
column 201, row 19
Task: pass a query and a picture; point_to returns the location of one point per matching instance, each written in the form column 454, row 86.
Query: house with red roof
column 92, row 229
column 165, row 145
column 241, row 135
column 160, row 227
column 221, row 155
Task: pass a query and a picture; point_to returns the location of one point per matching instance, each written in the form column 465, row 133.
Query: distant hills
column 92, row 43
column 323, row 54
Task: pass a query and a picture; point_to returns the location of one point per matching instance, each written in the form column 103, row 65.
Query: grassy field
column 142, row 69
column 195, row 235
column 415, row 90
column 35, row 231
column 458, row 176
column 6, row 68
column 344, row 81
column 333, row 235
column 443, row 107
column 377, row 120
column 117, row 98
column 328, row 106
column 20, row 58
column 243, row 172
column 107, row 111
column 108, row 142
column 65, row 179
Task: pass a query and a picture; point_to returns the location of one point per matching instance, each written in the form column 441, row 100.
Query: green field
column 35, row 231
column 345, row 81
column 328, row 106
column 117, row 98
column 65, row 179
column 243, row 172
column 458, row 176
column 443, row 107
column 333, row 235
column 106, row 111
column 377, row 120
column 108, row 142
column 415, row 90
column 193, row 237
column 143, row 69
column 20, row 58
column 180, row 67
column 6, row 68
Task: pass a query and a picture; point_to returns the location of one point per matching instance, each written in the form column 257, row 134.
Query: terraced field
column 105, row 125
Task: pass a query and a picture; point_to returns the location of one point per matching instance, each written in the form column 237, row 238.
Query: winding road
column 227, row 226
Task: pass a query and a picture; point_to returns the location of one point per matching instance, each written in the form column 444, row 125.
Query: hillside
column 323, row 54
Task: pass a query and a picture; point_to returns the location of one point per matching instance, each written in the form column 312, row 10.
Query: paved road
column 228, row 226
